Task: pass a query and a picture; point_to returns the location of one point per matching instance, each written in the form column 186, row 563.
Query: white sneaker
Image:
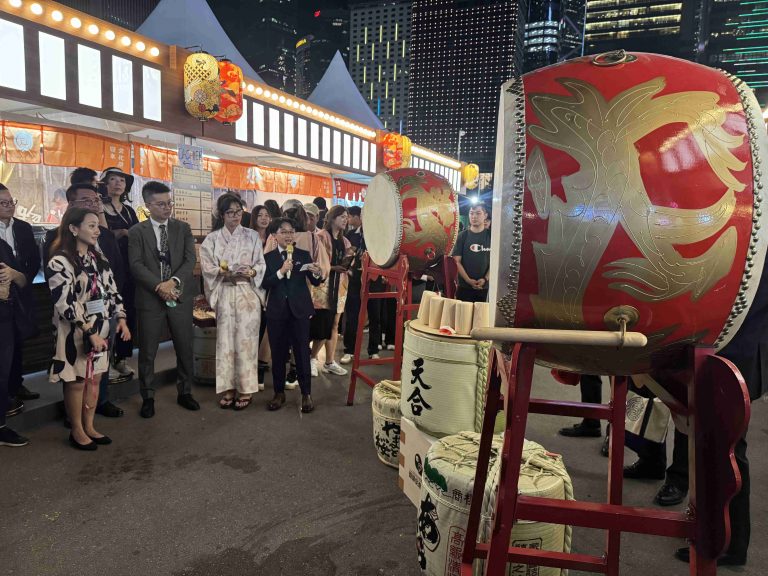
column 291, row 385
column 313, row 368
column 334, row 368
column 390, row 346
column 261, row 386
column 122, row 368
column 381, row 347
column 291, row 380
column 347, row 358
column 374, row 356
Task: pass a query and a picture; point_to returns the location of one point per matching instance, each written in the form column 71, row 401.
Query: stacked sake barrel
column 385, row 406
column 446, row 494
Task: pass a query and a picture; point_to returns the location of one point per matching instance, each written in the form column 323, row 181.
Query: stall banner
column 153, row 162
column 58, row 147
column 117, row 154
column 22, row 143
column 350, row 193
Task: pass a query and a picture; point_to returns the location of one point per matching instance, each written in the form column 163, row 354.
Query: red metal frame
column 398, row 276
column 715, row 388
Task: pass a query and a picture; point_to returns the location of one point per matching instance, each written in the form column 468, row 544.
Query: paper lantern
column 470, row 174
column 391, row 150
column 231, row 96
column 201, row 86
column 406, row 154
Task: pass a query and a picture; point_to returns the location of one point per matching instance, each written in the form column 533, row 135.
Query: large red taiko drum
column 412, row 212
column 628, row 186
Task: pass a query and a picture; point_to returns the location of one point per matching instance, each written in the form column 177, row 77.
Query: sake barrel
column 412, row 212
column 385, row 406
column 204, row 355
column 446, row 495
column 542, row 474
column 443, row 382
column 628, row 186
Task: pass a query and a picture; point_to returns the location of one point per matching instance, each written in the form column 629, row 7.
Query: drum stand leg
column 399, row 276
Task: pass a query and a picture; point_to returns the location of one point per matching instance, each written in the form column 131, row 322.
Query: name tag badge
column 95, row 307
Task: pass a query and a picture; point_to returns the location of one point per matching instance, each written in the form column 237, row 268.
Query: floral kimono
column 237, row 306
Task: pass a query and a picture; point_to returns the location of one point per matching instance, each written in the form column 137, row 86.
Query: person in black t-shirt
column 473, row 257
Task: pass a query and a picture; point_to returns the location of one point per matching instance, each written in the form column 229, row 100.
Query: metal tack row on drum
column 628, row 186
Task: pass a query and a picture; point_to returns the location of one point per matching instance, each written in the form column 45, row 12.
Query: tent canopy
column 337, row 91
column 192, row 23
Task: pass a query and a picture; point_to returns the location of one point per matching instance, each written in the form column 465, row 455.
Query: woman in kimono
column 232, row 263
column 85, row 298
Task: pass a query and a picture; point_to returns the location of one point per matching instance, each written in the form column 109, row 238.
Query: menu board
column 192, row 196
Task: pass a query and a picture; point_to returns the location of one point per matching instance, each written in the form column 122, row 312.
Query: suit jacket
column 289, row 296
column 18, row 311
column 144, row 261
column 108, row 246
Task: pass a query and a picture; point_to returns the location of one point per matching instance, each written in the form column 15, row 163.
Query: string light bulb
column 36, row 9
column 155, row 51
column 15, row 3
column 75, row 22
column 57, row 16
column 140, row 46
column 125, row 41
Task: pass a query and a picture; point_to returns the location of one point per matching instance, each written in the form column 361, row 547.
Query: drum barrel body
column 628, row 191
column 412, row 212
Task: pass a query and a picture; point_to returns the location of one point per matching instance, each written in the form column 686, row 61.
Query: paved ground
column 219, row 493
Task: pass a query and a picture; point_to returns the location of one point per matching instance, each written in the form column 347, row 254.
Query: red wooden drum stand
column 717, row 409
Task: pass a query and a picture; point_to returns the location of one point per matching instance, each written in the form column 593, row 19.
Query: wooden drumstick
column 572, row 337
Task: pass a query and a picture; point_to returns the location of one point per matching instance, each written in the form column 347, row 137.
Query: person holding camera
column 85, row 298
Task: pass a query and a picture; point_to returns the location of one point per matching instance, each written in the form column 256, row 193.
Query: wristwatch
column 90, row 331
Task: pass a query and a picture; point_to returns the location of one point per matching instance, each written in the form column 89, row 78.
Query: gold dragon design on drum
column 608, row 191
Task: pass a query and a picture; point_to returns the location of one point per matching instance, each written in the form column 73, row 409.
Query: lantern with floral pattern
column 231, row 96
column 201, row 86
column 470, row 174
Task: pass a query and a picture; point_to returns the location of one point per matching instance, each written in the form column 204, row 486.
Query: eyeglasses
column 88, row 201
column 286, row 232
column 233, row 213
column 8, row 203
column 163, row 204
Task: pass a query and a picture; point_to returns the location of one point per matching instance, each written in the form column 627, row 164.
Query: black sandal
column 225, row 403
column 243, row 403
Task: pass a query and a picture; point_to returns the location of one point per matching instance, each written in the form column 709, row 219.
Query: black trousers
column 591, row 393
column 351, row 317
column 286, row 334
column 466, row 294
column 122, row 349
column 7, row 348
column 677, row 474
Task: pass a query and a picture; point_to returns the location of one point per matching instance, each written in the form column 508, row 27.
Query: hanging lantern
column 390, row 145
column 201, row 86
column 470, row 174
column 231, row 97
column 406, row 145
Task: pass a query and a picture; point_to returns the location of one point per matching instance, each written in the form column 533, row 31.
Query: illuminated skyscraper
column 325, row 31
column 737, row 41
column 542, row 34
column 660, row 26
column 379, row 56
column 461, row 53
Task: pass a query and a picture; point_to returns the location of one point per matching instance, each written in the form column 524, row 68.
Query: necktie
column 284, row 254
column 165, row 269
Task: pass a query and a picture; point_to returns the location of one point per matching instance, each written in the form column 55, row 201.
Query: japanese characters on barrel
column 628, row 186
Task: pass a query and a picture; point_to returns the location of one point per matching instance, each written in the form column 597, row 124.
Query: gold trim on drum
column 753, row 268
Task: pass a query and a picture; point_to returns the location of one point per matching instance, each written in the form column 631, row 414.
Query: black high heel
column 86, row 447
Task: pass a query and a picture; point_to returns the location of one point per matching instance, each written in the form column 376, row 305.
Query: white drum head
column 383, row 221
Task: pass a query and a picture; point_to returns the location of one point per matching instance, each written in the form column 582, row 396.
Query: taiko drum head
column 628, row 186
column 412, row 212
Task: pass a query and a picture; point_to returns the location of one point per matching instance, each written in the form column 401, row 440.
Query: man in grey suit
column 161, row 253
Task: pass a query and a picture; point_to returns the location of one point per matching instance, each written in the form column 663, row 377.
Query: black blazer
column 27, row 252
column 107, row 244
column 289, row 297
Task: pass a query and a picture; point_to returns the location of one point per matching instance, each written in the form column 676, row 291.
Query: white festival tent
column 193, row 23
column 337, row 91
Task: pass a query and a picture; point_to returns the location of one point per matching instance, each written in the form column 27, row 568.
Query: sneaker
column 374, row 357
column 261, row 386
column 313, row 368
column 15, row 407
column 122, row 368
column 9, row 438
column 381, row 347
column 292, row 380
column 334, row 368
column 390, row 346
column 347, row 358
